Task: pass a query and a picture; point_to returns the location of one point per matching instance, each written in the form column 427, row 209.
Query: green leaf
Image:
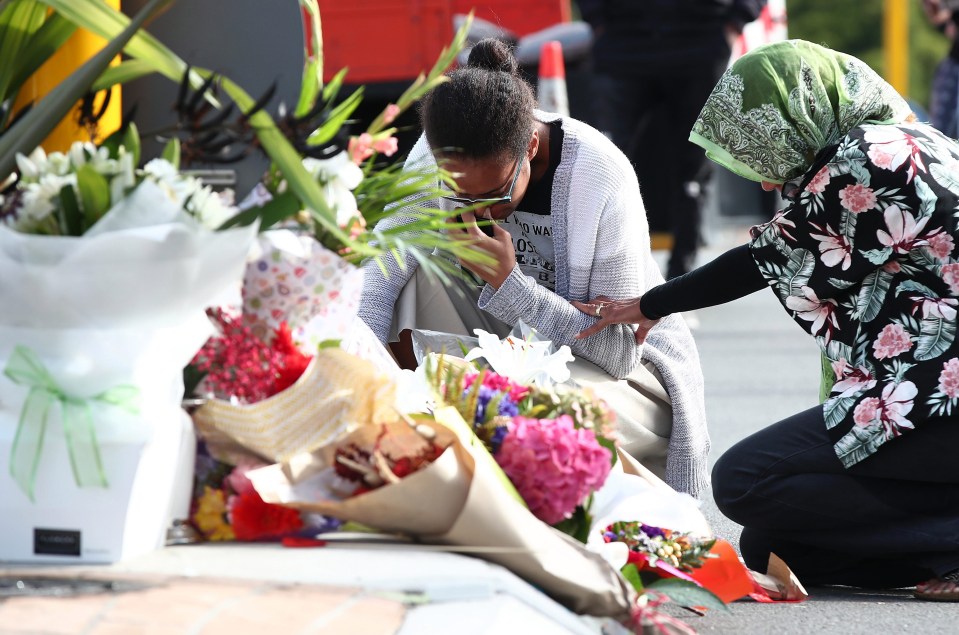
column 127, row 137
column 282, row 207
column 685, row 593
column 41, row 46
column 33, row 127
column 131, row 141
column 94, row 194
column 631, row 573
column 329, row 344
column 171, row 152
column 100, row 18
column 312, row 82
column 337, row 117
column 332, row 88
column 289, row 162
column 69, row 211
column 577, row 525
column 18, row 24
column 124, row 72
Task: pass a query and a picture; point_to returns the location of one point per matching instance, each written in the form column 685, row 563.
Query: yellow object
column 895, row 34
column 661, row 241
column 81, row 46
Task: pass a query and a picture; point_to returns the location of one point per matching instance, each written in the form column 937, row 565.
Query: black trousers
column 890, row 521
column 649, row 118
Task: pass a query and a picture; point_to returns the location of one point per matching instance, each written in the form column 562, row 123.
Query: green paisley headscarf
column 779, row 105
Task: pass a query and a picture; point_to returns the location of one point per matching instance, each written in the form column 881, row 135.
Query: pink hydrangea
column 553, row 464
column 892, row 341
column 857, row 198
column 949, row 378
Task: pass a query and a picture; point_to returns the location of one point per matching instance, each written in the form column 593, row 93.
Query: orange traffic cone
column 551, row 89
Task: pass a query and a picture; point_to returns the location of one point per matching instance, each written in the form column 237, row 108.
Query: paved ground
column 759, row 368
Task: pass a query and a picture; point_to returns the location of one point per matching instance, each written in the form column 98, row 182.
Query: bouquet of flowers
column 553, row 442
column 80, row 233
column 425, row 476
column 656, row 548
column 241, row 367
column 227, row 507
column 65, row 194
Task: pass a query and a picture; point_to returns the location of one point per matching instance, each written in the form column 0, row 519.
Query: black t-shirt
column 538, row 198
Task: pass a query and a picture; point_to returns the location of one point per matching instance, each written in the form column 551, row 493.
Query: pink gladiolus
column 361, row 148
column 387, row 146
column 391, row 113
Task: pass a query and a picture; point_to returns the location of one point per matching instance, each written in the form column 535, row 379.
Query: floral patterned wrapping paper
column 294, row 279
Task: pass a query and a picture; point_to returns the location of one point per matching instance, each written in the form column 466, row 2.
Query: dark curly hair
column 485, row 110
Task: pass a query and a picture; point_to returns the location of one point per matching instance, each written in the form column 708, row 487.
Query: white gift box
column 117, row 312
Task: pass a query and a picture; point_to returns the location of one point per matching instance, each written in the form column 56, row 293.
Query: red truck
column 392, row 41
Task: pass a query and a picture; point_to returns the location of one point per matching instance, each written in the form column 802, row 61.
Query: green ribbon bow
column 26, row 369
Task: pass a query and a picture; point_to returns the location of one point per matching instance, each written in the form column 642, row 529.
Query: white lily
column 339, row 177
column 525, row 361
column 31, row 166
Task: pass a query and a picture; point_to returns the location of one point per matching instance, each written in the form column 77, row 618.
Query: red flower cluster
column 240, row 365
column 373, row 468
column 254, row 519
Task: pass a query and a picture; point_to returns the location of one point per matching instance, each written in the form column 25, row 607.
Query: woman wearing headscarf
column 862, row 489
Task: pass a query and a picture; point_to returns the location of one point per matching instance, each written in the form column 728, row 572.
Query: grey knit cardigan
column 601, row 239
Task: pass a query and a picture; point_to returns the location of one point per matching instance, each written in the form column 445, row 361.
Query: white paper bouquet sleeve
column 462, row 499
column 94, row 334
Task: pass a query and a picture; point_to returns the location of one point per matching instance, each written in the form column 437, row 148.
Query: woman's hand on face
column 612, row 312
column 499, row 247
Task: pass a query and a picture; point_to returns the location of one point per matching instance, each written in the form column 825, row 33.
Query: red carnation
column 253, row 519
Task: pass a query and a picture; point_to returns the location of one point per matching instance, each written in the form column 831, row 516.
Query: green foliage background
column 855, row 27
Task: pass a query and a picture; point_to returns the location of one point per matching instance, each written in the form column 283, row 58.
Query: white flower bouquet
column 108, row 270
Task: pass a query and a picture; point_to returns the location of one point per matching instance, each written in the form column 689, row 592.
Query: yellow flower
column 210, row 515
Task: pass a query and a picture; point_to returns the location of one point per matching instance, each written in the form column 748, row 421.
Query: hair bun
column 494, row 55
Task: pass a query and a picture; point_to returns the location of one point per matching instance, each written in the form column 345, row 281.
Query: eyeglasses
column 499, row 200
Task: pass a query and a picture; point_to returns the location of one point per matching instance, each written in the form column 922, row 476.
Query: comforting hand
column 499, row 247
column 612, row 312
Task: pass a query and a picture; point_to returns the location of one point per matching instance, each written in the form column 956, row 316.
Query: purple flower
column 652, row 532
column 498, row 435
column 508, row 408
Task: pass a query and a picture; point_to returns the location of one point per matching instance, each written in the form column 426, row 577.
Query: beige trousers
column 644, row 416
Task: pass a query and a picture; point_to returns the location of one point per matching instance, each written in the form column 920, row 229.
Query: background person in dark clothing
column 655, row 63
column 944, row 100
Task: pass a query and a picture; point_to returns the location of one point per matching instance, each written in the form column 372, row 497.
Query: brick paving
column 201, row 606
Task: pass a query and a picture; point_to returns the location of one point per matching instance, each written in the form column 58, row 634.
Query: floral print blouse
column 864, row 259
